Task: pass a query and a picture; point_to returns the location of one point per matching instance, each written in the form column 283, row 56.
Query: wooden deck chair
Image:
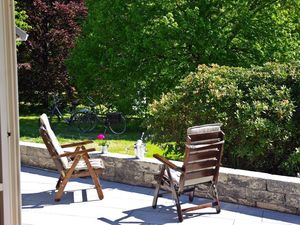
column 70, row 164
column 203, row 152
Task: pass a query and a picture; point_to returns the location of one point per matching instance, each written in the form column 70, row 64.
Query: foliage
column 292, row 164
column 55, row 24
column 130, row 52
column 258, row 107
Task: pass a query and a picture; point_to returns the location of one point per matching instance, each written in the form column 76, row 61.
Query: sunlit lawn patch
column 124, row 143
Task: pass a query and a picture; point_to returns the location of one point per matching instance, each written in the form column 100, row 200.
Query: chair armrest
column 76, row 144
column 73, row 154
column 167, row 162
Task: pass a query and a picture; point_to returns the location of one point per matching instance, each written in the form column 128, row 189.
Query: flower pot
column 104, row 149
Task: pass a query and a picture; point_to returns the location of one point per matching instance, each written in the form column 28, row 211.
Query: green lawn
column 124, row 143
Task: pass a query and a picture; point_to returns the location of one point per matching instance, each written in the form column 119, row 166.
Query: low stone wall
column 256, row 189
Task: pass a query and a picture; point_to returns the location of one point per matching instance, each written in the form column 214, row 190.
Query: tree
column 55, row 24
column 130, row 52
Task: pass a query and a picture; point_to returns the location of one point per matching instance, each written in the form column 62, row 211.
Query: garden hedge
column 258, row 107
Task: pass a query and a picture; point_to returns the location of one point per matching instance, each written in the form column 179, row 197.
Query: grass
column 124, row 144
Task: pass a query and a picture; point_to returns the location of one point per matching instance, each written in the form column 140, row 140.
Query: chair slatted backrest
column 52, row 143
column 203, row 154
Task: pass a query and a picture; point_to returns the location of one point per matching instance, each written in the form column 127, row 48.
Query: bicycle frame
column 114, row 121
column 87, row 119
column 55, row 111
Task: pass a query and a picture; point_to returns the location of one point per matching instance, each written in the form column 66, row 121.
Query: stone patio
column 122, row 204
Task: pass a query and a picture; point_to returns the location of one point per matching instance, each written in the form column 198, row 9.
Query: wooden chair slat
column 194, row 166
column 206, row 136
column 200, row 174
column 210, row 146
column 204, row 155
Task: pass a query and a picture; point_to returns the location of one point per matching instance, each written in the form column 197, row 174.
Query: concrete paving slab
column 124, row 204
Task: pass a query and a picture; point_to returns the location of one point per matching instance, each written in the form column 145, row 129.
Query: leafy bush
column 259, row 109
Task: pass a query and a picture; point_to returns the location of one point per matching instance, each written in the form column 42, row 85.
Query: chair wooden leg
column 177, row 203
column 97, row 185
column 61, row 188
column 178, row 207
column 175, row 195
column 65, row 180
column 58, row 182
column 191, row 195
column 158, row 185
column 156, row 193
column 94, row 176
column 216, row 202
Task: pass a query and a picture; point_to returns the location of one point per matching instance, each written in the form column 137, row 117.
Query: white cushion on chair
column 44, row 120
column 206, row 128
column 176, row 178
column 200, row 180
column 95, row 163
column 175, row 175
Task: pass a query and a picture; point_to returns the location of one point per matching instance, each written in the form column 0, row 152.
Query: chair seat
column 95, row 163
column 175, row 175
column 176, row 178
column 69, row 149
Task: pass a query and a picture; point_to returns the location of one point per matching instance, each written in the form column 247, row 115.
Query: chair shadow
column 45, row 198
column 54, row 174
column 160, row 215
column 39, row 171
column 106, row 184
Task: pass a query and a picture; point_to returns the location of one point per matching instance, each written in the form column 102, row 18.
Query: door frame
column 9, row 117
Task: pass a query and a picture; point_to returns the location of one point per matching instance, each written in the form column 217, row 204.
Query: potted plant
column 103, row 143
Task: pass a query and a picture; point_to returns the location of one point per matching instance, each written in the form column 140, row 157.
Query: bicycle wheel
column 84, row 120
column 116, row 122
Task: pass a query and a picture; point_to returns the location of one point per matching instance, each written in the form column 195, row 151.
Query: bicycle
column 56, row 116
column 90, row 118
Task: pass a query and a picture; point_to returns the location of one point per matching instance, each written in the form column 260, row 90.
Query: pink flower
column 100, row 136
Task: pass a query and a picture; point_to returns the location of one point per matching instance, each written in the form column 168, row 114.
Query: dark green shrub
column 257, row 106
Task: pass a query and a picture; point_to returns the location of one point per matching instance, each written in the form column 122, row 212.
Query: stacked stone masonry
column 256, row 189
